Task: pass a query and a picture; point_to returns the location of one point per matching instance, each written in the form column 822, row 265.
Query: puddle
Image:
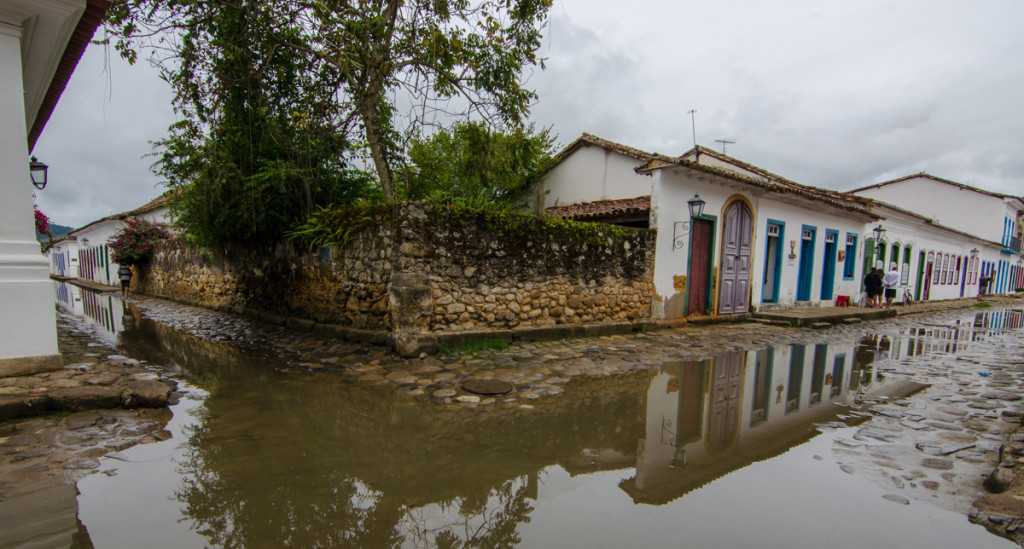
column 783, row 447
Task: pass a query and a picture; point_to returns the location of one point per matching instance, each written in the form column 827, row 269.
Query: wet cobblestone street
column 914, row 409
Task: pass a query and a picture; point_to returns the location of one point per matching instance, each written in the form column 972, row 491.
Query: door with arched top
column 737, row 236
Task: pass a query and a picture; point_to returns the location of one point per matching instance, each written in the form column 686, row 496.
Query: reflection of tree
column 295, row 461
column 319, row 462
column 327, row 510
column 478, row 522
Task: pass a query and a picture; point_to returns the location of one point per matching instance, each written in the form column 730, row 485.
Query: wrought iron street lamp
column 37, row 170
column 974, row 253
column 682, row 228
column 879, row 233
column 696, row 206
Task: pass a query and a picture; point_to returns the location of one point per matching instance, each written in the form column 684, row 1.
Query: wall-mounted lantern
column 974, row 253
column 879, row 233
column 682, row 228
column 37, row 170
column 85, row 242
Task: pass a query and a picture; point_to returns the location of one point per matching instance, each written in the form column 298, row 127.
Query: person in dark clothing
column 873, row 287
column 124, row 272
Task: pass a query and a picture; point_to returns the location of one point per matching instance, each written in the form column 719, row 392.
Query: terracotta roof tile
column 589, row 139
column 765, row 179
column 603, row 208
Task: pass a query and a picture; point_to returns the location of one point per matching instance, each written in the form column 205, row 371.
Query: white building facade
column 995, row 218
column 94, row 256
column 761, row 243
column 764, row 242
column 40, row 44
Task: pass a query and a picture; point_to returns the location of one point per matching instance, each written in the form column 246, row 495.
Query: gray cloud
column 832, row 94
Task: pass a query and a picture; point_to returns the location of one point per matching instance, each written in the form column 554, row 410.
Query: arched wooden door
column 737, row 235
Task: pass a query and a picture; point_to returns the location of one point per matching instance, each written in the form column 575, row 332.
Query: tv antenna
column 693, row 122
column 724, row 142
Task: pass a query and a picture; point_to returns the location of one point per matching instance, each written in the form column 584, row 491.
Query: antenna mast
column 724, row 142
column 693, row 122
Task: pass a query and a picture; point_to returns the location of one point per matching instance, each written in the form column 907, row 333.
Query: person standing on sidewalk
column 891, row 280
column 873, row 287
column 983, row 285
column 124, row 272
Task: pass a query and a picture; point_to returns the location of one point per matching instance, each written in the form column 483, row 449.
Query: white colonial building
column 996, row 218
column 92, row 253
column 764, row 242
column 41, row 41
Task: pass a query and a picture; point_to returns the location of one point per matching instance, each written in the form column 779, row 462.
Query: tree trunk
column 377, row 151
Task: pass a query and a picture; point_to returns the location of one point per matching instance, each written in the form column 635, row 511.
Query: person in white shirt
column 890, row 281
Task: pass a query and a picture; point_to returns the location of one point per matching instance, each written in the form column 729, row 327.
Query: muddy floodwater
column 818, row 444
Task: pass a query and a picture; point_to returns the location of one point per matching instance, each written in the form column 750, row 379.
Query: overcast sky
column 830, row 94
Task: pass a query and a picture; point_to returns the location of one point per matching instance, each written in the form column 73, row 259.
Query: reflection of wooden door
column 737, row 231
column 691, row 403
column 700, row 265
column 762, row 386
column 723, row 421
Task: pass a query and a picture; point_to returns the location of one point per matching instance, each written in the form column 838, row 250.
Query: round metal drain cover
column 487, row 387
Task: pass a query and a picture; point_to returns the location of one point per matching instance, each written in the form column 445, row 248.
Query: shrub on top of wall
column 337, row 225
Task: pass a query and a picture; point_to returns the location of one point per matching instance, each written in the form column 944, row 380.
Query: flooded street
column 722, row 436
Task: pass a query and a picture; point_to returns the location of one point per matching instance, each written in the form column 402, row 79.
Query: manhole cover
column 487, row 387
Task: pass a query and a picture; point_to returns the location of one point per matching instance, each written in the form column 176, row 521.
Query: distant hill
column 57, row 230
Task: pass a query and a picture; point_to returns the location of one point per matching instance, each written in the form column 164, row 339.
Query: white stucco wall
column 671, row 191
column 64, row 259
column 966, row 210
column 593, row 173
column 27, row 319
column 903, row 230
column 95, row 263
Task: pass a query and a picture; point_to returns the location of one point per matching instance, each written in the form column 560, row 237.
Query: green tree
column 472, row 162
column 261, row 141
column 429, row 56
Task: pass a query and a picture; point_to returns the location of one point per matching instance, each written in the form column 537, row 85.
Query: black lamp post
column 37, row 170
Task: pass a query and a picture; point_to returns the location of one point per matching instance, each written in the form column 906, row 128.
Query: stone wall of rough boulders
column 425, row 274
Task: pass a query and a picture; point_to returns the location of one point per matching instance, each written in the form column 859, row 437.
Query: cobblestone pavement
column 535, row 369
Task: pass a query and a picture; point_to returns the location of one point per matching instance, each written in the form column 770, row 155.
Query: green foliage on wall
column 550, row 229
column 338, row 225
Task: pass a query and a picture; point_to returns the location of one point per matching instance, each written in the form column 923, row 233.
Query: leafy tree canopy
column 361, row 67
column 262, row 139
column 476, row 165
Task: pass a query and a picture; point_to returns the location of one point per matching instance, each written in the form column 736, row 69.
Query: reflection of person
column 891, row 280
column 873, row 287
column 125, row 274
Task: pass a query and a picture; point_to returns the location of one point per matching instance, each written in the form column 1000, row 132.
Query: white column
column 28, row 329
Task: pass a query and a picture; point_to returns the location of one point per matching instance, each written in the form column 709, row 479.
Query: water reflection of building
column 104, row 311
column 944, row 340
column 708, row 418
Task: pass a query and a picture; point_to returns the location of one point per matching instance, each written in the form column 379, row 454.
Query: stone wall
column 432, row 274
